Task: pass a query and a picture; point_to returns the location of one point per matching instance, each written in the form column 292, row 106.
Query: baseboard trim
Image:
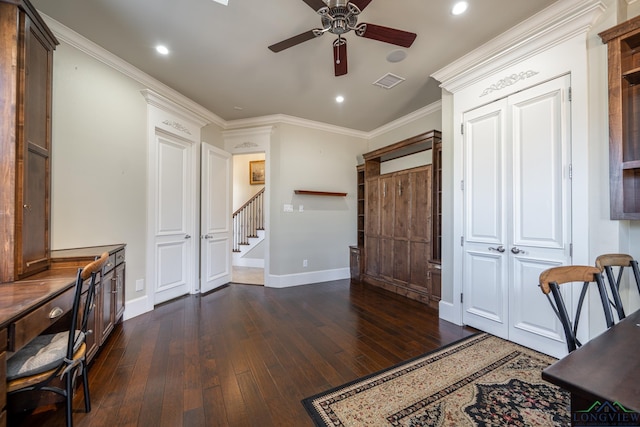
column 136, row 307
column 288, row 280
column 249, row 262
column 449, row 312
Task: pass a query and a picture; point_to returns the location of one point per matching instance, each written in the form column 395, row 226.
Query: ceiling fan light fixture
column 459, row 8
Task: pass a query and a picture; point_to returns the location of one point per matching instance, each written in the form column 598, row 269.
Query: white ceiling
column 219, row 56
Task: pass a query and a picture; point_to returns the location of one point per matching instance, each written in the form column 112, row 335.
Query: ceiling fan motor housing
column 340, row 17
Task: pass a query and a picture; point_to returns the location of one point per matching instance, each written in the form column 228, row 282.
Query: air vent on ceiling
column 388, row 81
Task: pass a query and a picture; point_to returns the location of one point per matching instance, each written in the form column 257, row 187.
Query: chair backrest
column 607, row 263
column 550, row 281
column 83, row 302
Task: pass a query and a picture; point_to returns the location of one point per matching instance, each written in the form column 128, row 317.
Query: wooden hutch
column 34, row 282
column 399, row 221
column 623, row 46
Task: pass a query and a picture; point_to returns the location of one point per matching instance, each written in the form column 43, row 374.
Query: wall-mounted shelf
column 319, row 193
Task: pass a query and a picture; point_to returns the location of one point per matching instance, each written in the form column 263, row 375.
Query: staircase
column 248, row 230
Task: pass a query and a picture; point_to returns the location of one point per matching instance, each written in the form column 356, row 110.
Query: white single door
column 517, row 213
column 174, row 224
column 215, row 218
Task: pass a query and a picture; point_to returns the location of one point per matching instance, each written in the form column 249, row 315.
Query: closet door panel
column 401, row 272
column 386, row 256
column 372, row 216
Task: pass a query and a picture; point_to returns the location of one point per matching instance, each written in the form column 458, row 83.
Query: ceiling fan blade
column 387, row 35
column 361, row 3
column 340, row 57
column 316, row 4
column 290, row 42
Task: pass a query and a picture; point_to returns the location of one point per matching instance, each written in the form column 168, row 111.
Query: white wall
column 99, row 159
column 310, row 159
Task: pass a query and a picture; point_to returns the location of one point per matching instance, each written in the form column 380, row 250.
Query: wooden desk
column 605, row 368
column 26, row 305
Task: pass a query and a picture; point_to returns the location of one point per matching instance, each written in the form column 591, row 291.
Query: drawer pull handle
column 55, row 313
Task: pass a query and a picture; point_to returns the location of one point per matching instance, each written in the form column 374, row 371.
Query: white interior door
column 174, row 225
column 215, row 218
column 517, row 213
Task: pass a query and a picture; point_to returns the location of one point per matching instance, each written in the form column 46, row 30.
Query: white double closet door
column 517, row 201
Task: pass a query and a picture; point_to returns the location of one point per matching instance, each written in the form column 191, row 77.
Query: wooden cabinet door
column 402, row 205
column 372, row 252
column 421, row 215
column 33, row 138
column 387, row 206
column 118, row 292
column 107, row 309
column 372, row 203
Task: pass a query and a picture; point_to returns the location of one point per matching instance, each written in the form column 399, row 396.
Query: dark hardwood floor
column 247, row 355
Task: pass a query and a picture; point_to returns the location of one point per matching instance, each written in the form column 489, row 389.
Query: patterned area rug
column 479, row 381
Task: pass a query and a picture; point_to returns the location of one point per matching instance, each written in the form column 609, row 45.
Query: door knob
column 498, row 249
column 515, row 250
column 187, row 236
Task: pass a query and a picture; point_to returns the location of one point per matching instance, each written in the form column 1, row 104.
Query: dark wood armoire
column 401, row 248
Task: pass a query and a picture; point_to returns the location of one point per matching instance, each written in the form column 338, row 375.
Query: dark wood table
column 607, row 368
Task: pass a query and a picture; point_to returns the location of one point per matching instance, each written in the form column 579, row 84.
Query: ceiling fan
column 339, row 17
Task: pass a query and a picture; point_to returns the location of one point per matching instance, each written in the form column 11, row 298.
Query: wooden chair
column 60, row 355
column 607, row 263
column 550, row 281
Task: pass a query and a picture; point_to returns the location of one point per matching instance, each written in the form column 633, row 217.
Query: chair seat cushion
column 43, row 353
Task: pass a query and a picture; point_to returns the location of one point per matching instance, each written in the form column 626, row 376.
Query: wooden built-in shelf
column 632, row 76
column 319, row 193
column 633, row 164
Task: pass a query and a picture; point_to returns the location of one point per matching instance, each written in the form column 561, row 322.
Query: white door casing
column 215, row 218
column 517, row 213
column 173, row 217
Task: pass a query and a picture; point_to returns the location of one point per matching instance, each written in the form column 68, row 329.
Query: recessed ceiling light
column 238, row 108
column 224, row 2
column 339, row 99
column 459, row 8
column 162, row 49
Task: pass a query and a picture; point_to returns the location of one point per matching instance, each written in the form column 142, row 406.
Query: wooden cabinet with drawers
column 110, row 289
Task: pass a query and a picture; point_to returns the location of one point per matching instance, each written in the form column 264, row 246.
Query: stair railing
column 248, row 220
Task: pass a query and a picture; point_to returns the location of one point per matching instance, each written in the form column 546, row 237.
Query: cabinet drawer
column 120, row 257
column 110, row 265
column 30, row 326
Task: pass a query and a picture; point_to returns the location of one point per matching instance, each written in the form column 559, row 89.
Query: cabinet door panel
column 420, row 253
column 421, row 215
column 106, row 324
column 386, row 258
column 400, row 261
column 372, row 258
column 402, row 205
column 372, row 217
column 387, row 206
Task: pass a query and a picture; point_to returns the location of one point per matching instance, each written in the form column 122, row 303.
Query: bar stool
column 606, row 263
column 550, row 281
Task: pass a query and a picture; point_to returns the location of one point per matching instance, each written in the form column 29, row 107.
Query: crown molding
column 557, row 23
column 97, row 52
column 296, row 121
column 411, row 117
column 177, row 109
column 163, row 96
